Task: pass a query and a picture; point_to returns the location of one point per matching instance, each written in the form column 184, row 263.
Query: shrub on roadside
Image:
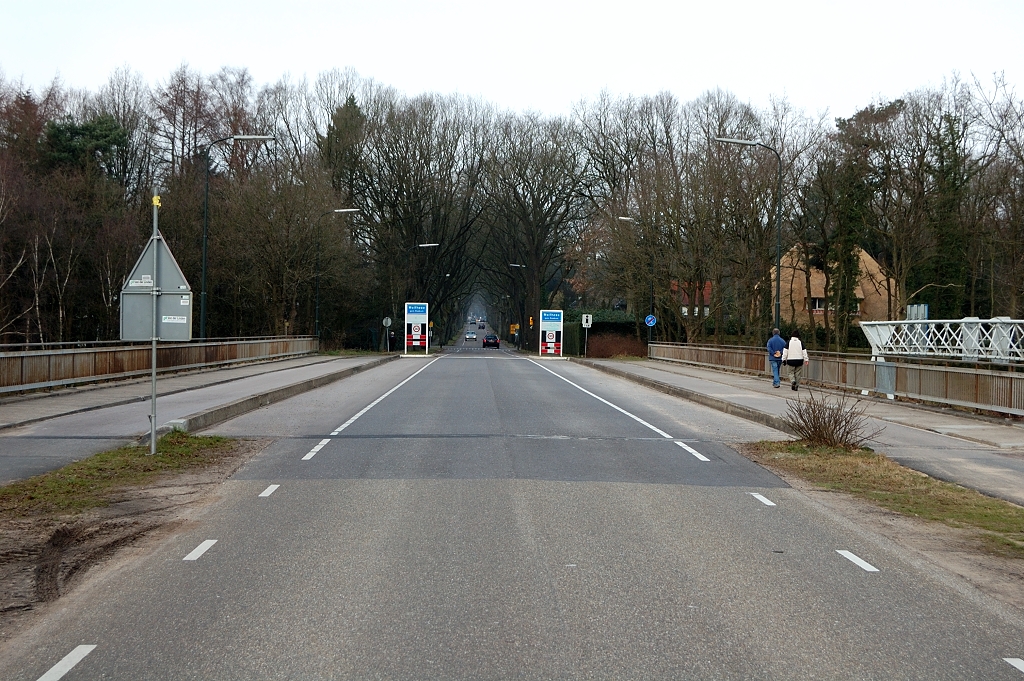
column 825, row 422
column 615, row 345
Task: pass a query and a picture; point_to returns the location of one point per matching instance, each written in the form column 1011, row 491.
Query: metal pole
column 154, row 293
column 316, row 323
column 206, row 221
column 206, row 229
column 778, row 245
column 650, row 329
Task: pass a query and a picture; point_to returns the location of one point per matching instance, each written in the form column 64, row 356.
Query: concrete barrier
column 211, row 417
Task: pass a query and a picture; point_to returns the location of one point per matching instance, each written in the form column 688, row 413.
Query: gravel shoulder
column 43, row 558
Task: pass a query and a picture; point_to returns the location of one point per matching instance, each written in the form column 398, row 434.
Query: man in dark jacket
column 775, row 347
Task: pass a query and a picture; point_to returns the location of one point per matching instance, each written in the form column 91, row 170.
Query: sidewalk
column 975, row 452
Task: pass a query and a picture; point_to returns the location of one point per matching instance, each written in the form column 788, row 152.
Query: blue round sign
column 651, row 320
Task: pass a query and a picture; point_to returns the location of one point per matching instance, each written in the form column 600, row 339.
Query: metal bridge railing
column 965, row 340
column 49, row 368
column 986, row 389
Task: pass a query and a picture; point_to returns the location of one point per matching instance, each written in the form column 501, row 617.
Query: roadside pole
column 587, row 321
column 166, row 315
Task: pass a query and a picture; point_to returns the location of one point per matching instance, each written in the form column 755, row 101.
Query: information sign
column 551, row 332
column 588, row 321
column 416, row 326
column 173, row 302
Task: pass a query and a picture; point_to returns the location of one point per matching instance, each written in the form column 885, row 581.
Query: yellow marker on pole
column 156, row 200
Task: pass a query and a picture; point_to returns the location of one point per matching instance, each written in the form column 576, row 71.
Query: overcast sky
column 539, row 55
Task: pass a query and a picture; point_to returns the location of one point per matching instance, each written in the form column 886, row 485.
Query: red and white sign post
column 417, row 327
column 551, row 332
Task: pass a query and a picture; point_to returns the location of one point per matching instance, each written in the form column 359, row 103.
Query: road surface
column 489, row 516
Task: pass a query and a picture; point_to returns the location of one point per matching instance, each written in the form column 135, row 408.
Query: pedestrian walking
column 776, row 346
column 795, row 357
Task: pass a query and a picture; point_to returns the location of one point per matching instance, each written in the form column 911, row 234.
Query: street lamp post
column 519, row 334
column 650, row 329
column 316, row 323
column 206, row 219
column 778, row 219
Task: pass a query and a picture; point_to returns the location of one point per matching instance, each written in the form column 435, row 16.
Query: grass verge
column 89, row 483
column 875, row 478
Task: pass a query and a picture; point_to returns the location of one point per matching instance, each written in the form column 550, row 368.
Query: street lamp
column 316, row 323
column 650, row 329
column 778, row 220
column 206, row 219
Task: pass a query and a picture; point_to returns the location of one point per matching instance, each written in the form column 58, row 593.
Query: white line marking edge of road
column 636, row 418
column 58, row 670
column 856, row 560
column 763, row 499
column 200, row 550
column 269, row 490
column 692, row 451
column 309, row 455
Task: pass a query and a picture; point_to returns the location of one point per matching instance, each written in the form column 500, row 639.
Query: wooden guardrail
column 49, row 368
column 976, row 388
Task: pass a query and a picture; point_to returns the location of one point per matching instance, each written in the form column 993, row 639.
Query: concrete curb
column 747, row 413
column 211, row 417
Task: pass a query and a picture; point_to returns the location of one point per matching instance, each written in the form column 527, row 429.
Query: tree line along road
column 487, row 515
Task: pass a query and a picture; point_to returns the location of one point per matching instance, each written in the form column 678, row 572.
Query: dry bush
column 615, row 345
column 825, row 422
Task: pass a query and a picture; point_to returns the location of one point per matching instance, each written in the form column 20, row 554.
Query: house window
column 818, row 305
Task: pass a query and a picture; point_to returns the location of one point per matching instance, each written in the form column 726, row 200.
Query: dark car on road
column 490, row 340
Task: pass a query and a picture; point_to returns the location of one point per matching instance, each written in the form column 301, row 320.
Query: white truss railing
column 966, row 340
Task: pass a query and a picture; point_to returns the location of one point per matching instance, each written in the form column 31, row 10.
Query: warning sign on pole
column 551, row 332
column 416, row 326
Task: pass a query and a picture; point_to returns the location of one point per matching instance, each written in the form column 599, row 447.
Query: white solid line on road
column 58, row 670
column 692, row 451
column 1015, row 662
column 375, row 403
column 762, row 499
column 868, row 567
column 200, row 550
column 636, row 418
column 269, row 490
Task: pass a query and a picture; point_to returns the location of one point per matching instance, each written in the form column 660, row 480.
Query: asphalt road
column 488, row 516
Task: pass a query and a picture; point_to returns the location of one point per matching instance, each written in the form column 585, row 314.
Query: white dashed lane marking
column 866, row 566
column 269, row 490
column 58, row 670
column 1015, row 662
column 762, row 499
column 693, row 451
column 200, row 550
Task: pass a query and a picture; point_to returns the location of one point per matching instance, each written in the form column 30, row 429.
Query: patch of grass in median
column 88, row 483
column 867, row 475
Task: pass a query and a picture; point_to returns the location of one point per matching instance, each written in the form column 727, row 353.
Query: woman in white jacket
column 795, row 357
